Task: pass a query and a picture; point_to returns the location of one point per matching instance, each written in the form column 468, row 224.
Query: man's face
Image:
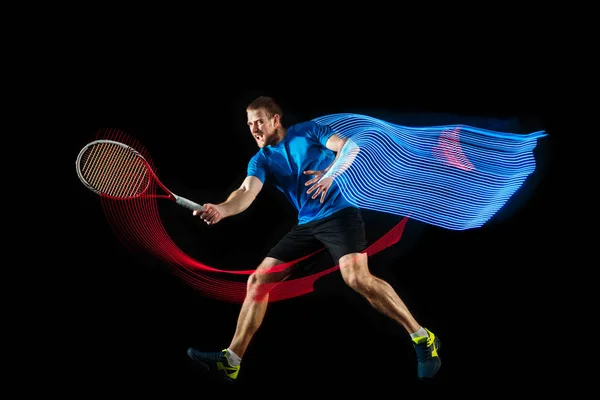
column 262, row 127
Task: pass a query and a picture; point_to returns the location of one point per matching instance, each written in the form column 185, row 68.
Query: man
column 296, row 160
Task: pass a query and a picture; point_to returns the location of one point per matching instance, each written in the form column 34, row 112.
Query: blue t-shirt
column 283, row 164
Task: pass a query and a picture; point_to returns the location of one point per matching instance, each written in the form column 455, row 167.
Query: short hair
column 266, row 103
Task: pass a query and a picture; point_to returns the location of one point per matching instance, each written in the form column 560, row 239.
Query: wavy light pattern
column 453, row 176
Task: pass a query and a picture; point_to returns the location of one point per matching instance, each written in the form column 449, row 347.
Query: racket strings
column 114, row 170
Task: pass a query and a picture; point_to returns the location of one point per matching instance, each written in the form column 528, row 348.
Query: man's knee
column 264, row 278
column 355, row 272
column 353, row 259
column 257, row 286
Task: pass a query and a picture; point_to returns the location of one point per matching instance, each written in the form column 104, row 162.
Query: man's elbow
column 249, row 195
column 341, row 145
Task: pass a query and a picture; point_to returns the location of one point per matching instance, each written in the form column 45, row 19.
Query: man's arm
column 336, row 144
column 238, row 201
column 346, row 152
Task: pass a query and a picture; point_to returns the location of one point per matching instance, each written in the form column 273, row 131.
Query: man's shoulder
column 257, row 157
column 303, row 126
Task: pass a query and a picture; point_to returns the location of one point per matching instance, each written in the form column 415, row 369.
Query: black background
column 480, row 290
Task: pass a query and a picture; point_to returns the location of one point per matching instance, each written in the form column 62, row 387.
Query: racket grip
column 182, row 201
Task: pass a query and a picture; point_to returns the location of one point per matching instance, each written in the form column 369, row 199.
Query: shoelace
column 216, row 356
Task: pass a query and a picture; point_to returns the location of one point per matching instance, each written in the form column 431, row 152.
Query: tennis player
column 296, row 159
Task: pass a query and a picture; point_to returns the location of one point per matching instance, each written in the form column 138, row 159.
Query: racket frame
column 182, row 201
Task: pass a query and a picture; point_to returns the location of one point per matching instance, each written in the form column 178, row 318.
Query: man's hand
column 318, row 187
column 210, row 213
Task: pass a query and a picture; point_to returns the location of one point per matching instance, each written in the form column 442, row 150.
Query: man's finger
column 311, row 181
column 314, row 196
column 313, row 188
column 323, row 195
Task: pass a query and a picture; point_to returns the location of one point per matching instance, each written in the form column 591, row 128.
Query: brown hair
column 266, row 103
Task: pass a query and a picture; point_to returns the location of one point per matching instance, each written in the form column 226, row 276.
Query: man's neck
column 280, row 135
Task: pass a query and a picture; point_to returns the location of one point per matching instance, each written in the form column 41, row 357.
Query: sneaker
column 216, row 363
column 428, row 360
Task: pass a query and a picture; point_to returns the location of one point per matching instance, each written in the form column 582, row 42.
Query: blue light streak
column 452, row 176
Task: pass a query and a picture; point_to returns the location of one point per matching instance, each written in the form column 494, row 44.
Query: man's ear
column 276, row 120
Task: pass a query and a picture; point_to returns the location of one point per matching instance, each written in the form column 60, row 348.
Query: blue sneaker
column 216, row 363
column 428, row 360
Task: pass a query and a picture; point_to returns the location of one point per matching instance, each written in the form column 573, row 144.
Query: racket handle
column 182, row 201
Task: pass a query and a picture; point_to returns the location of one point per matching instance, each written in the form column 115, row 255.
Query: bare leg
column 255, row 304
column 355, row 271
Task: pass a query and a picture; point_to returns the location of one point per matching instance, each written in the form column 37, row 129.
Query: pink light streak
column 449, row 150
column 137, row 224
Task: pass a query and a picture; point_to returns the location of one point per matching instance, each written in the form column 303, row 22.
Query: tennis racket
column 118, row 171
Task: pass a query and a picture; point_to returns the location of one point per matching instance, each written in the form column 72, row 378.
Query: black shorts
column 343, row 232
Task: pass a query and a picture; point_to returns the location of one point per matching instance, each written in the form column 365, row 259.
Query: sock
column 234, row 359
column 419, row 333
